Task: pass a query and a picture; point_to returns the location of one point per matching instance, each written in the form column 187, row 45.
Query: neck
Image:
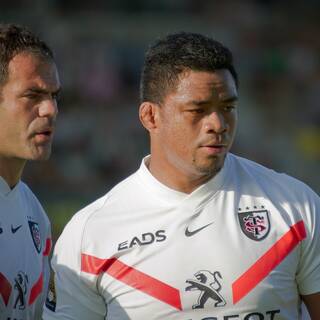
column 176, row 179
column 11, row 170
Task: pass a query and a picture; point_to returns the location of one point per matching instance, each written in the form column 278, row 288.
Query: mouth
column 214, row 149
column 44, row 135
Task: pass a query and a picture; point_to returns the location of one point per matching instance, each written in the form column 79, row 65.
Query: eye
column 31, row 96
column 229, row 108
column 197, row 111
column 56, row 96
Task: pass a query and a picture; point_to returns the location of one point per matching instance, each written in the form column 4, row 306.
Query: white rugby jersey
column 244, row 245
column 25, row 243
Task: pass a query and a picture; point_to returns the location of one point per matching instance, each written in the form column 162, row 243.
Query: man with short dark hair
column 197, row 232
column 29, row 84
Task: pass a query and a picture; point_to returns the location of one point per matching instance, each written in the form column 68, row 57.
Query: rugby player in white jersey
column 196, row 233
column 29, row 84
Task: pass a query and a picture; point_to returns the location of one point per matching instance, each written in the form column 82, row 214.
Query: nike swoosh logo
column 14, row 230
column 189, row 233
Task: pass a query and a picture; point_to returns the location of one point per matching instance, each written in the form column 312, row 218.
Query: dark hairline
column 15, row 40
column 174, row 54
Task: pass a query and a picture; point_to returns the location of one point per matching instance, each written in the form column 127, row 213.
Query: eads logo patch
column 255, row 224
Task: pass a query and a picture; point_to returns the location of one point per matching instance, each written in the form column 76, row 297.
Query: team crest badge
column 255, row 224
column 35, row 234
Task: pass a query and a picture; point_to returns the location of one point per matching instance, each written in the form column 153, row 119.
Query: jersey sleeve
column 308, row 275
column 70, row 296
column 46, row 254
column 39, row 214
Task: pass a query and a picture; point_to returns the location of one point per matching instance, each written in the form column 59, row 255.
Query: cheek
column 234, row 122
column 181, row 137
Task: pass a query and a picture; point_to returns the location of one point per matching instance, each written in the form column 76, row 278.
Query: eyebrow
column 208, row 101
column 199, row 102
column 230, row 99
column 43, row 91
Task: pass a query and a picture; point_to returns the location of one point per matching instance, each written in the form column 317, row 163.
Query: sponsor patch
column 209, row 285
column 51, row 300
column 20, row 289
column 143, row 239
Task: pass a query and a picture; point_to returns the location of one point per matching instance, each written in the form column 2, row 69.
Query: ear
column 149, row 115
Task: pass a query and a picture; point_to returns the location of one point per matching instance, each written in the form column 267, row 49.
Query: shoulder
column 270, row 179
column 31, row 202
column 101, row 208
column 252, row 179
column 119, row 194
column 293, row 198
column 86, row 229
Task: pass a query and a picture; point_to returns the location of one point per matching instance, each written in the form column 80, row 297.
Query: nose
column 48, row 108
column 215, row 123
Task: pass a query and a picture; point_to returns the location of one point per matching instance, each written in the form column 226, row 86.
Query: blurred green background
column 99, row 47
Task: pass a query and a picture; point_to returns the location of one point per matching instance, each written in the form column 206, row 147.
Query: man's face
column 28, row 108
column 197, row 123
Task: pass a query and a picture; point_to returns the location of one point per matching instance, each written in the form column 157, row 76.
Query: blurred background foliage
column 99, row 47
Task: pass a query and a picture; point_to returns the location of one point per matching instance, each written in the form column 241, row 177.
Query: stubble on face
column 212, row 166
column 196, row 128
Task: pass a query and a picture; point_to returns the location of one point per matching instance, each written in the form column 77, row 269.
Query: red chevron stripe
column 5, row 288
column 47, row 249
column 133, row 278
column 36, row 289
column 264, row 265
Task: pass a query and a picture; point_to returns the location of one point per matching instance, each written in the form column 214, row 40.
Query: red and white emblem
column 35, row 234
column 255, row 224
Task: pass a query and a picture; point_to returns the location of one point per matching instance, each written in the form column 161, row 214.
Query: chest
column 218, row 261
column 22, row 241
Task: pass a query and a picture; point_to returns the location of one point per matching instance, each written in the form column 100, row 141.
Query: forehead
column 28, row 69
column 219, row 84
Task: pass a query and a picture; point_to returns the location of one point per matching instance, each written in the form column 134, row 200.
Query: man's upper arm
column 312, row 302
column 308, row 275
column 72, row 297
column 308, row 272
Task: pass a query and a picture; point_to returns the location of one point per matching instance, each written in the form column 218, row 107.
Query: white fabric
column 24, row 230
column 141, row 225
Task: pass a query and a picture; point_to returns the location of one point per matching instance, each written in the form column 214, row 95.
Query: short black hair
column 168, row 57
column 15, row 39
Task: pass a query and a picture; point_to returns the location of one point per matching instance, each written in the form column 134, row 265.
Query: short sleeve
column 308, row 275
column 71, row 297
column 46, row 254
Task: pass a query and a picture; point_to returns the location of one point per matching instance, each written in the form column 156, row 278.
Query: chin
column 209, row 171
column 41, row 155
column 211, row 166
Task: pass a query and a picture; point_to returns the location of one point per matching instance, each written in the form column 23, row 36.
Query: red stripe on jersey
column 266, row 263
column 36, row 289
column 5, row 288
column 133, row 278
column 47, row 249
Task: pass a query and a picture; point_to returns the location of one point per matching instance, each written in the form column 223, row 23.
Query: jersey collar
column 214, row 185
column 172, row 196
column 5, row 190
column 158, row 189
